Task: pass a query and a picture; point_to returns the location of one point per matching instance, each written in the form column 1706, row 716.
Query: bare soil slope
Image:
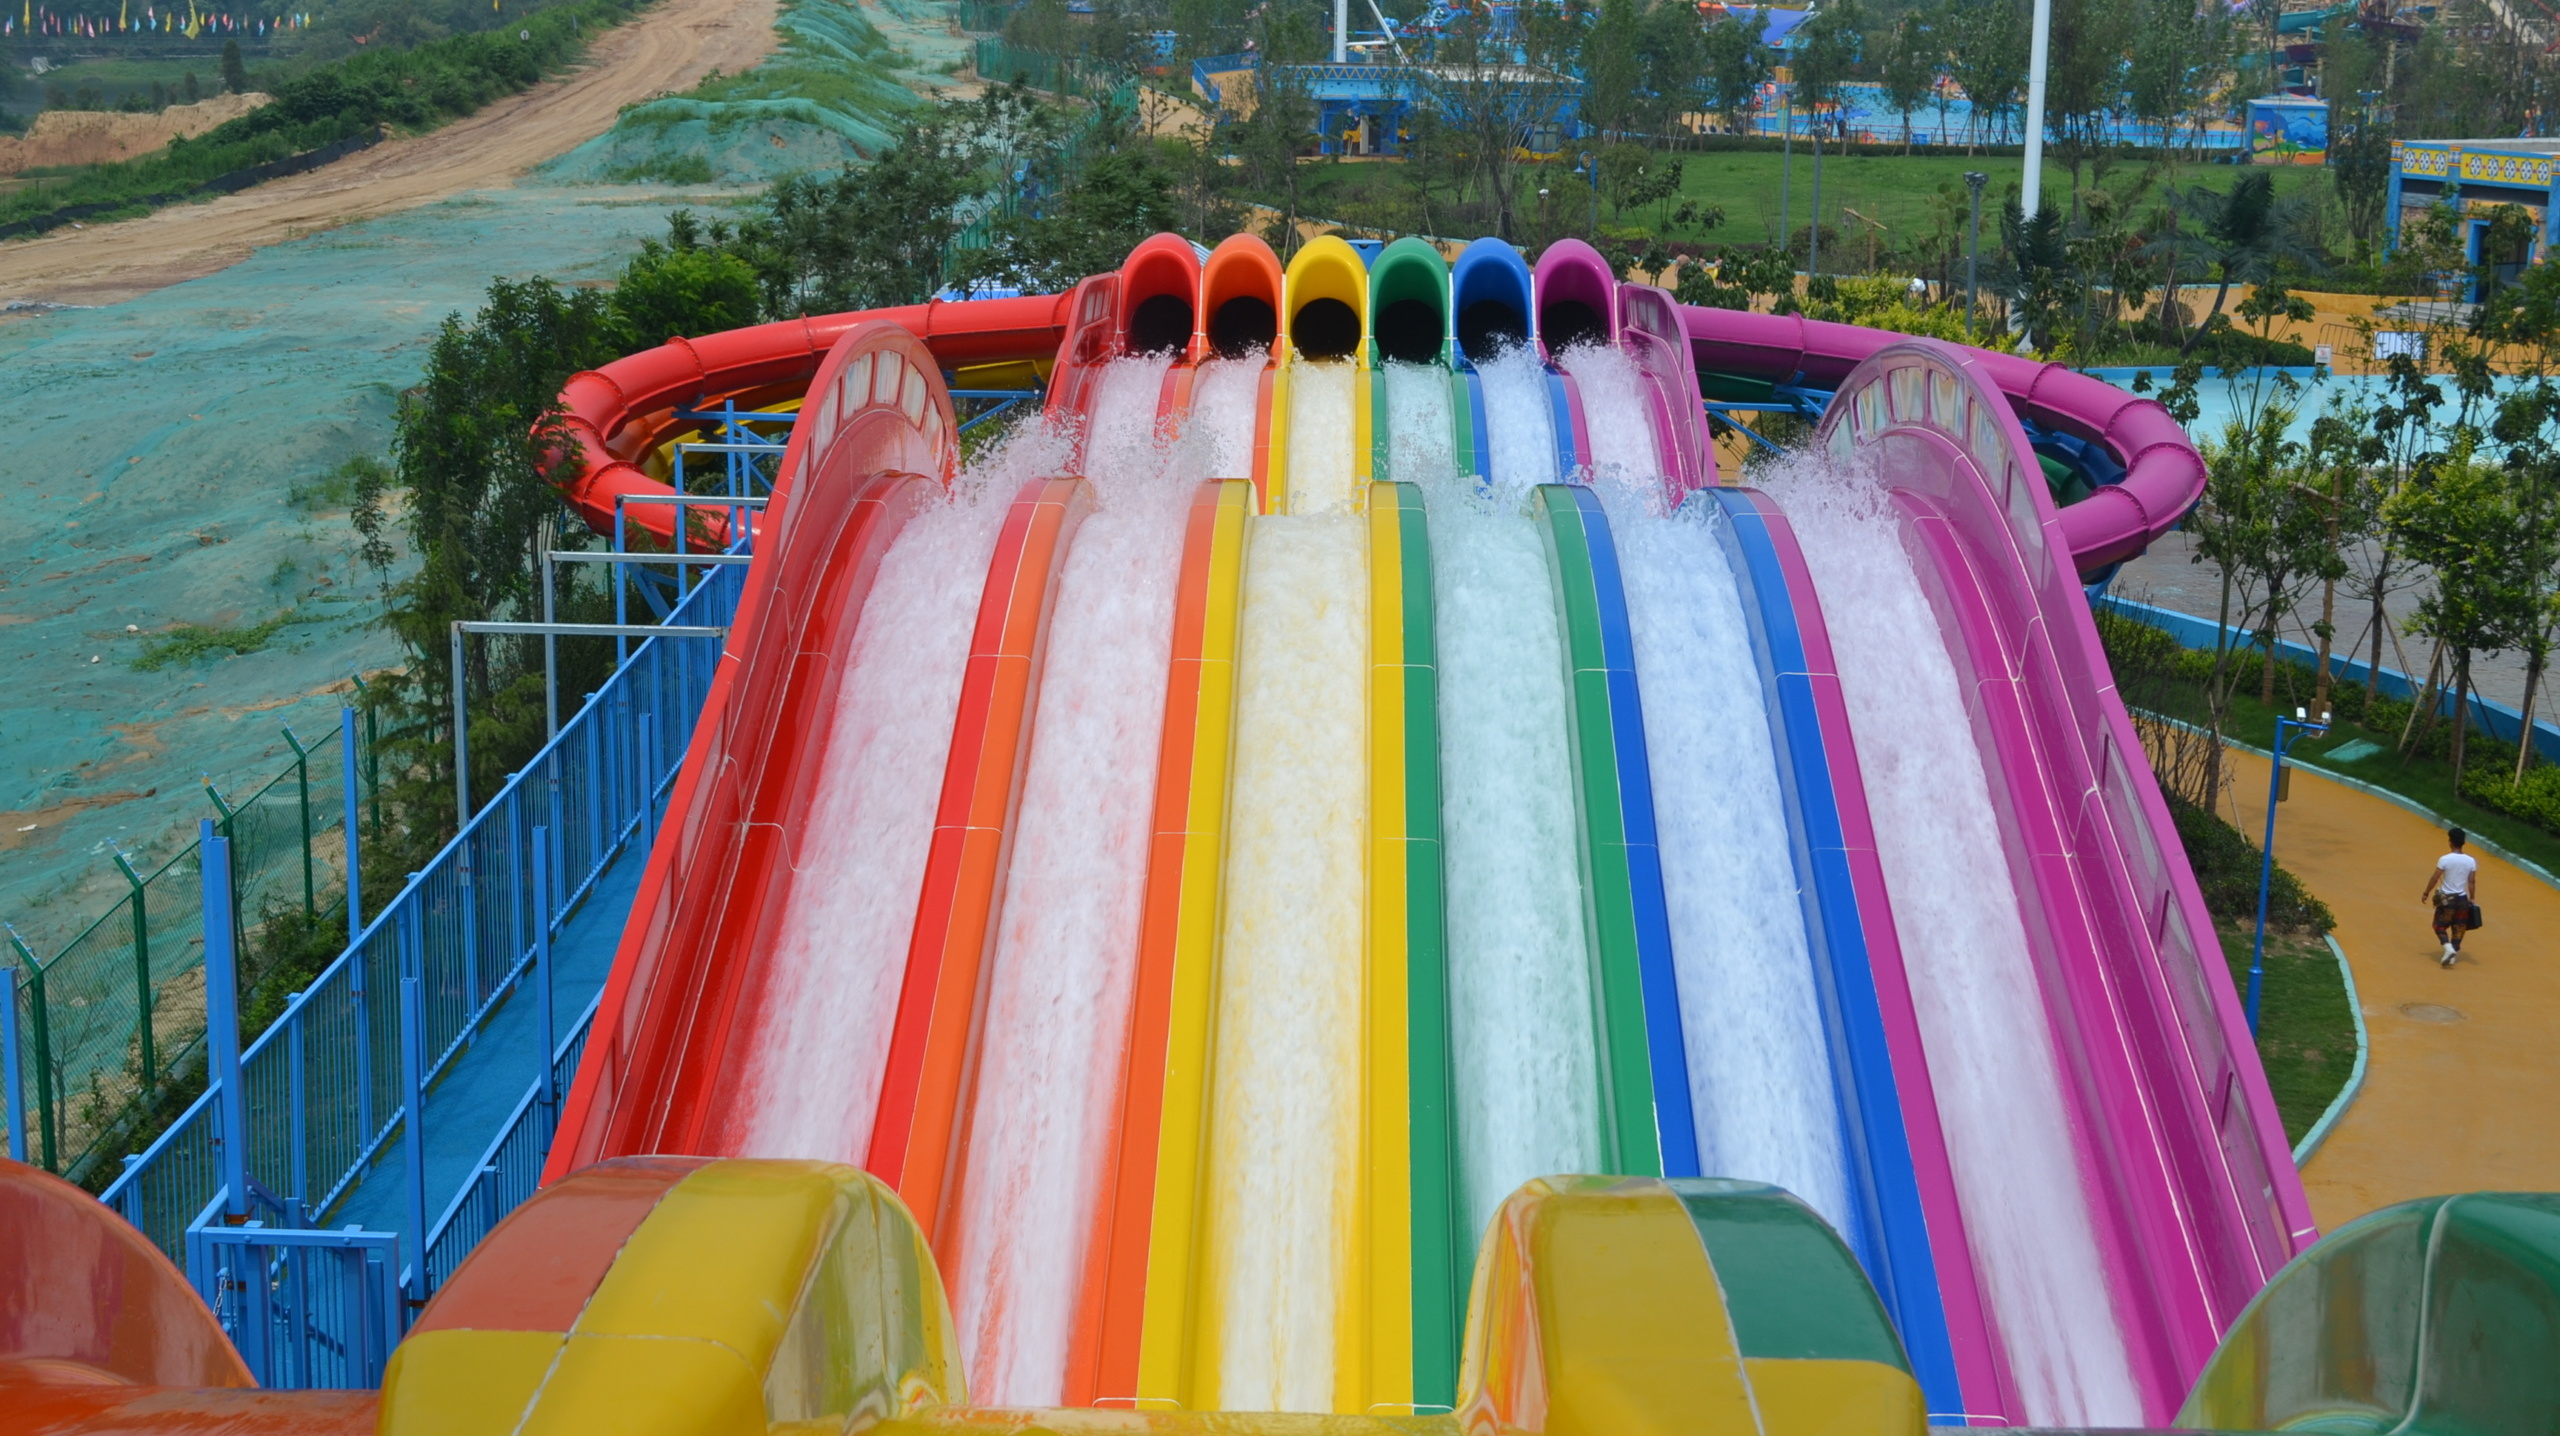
column 96, row 137
column 669, row 47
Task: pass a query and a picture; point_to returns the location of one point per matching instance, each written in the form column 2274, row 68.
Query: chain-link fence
column 1000, row 62
column 112, row 1025
column 325, row 1084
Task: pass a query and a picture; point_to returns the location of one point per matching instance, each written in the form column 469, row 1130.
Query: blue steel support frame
column 222, row 1016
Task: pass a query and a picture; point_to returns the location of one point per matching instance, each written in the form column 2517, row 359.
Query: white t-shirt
column 2453, row 874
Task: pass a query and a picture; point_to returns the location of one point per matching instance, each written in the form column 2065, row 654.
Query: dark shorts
column 2455, row 914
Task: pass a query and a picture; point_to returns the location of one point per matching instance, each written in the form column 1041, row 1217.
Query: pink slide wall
column 2180, row 1147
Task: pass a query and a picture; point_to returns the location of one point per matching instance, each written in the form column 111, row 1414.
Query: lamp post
column 2040, row 44
column 1787, row 160
column 2288, row 732
column 1974, row 180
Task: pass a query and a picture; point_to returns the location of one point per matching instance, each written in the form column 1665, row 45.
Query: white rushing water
column 1616, row 409
column 823, row 1021
column 1060, row 981
column 1224, row 394
column 1284, row 1120
column 1973, row 979
column 1523, row 1048
column 1519, row 419
column 1420, row 444
column 1321, row 397
column 1760, row 1076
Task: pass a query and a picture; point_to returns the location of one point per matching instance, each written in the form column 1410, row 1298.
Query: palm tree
column 2239, row 236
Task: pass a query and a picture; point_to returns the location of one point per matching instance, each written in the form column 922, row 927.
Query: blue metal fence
column 324, row 1086
column 305, row 1308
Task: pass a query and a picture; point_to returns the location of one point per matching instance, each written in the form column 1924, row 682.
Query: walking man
column 2454, row 887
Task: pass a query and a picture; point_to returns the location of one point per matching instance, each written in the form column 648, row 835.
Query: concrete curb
column 2347, row 1095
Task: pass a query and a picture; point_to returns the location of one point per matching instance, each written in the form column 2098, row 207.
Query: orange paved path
column 2465, row 1094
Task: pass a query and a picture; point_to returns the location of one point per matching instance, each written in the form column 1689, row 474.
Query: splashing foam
column 1973, row 975
column 821, row 1037
column 1061, row 978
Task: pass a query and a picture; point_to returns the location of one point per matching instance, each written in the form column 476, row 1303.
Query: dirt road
column 669, row 47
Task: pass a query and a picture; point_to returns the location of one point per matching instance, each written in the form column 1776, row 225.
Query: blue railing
column 509, row 1171
column 324, row 1085
column 304, row 1308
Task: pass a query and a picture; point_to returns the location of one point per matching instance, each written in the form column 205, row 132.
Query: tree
column 1118, row 198
column 1826, row 55
column 2084, row 80
column 2264, row 528
column 677, row 288
column 882, row 236
column 1632, row 176
column 1611, row 68
column 1498, row 90
column 1910, row 70
column 2459, row 518
column 2527, row 422
column 2042, row 283
column 2360, row 170
column 194, row 92
column 1675, row 62
column 1737, row 64
column 1987, row 57
column 235, row 74
column 2241, row 235
column 2175, row 45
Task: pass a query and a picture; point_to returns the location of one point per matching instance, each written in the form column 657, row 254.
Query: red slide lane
column 919, row 1136
column 714, row 884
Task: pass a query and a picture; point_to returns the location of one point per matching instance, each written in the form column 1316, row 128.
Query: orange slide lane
column 1163, row 1082
column 2462, row 1087
column 932, row 1053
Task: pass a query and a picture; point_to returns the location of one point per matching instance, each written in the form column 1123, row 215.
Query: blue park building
column 1363, row 106
column 2476, row 175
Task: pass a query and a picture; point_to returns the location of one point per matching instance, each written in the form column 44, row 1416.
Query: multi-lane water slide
column 1383, row 850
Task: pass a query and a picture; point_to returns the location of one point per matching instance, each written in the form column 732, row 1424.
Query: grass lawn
column 2306, row 1035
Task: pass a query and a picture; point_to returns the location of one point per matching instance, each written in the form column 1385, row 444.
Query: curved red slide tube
column 2163, row 476
column 921, row 1125
column 621, row 410
column 877, row 431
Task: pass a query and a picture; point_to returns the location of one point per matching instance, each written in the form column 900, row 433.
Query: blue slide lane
column 1675, row 1121
column 1893, row 1236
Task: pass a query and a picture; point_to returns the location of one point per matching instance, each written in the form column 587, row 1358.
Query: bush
column 2535, row 799
column 2226, row 865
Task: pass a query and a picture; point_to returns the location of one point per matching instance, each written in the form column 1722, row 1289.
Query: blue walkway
column 481, row 1087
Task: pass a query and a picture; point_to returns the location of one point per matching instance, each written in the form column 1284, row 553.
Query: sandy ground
column 669, row 47
column 2462, row 1088
column 91, row 137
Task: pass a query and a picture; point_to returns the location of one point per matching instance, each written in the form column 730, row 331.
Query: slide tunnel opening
column 1568, row 322
column 1326, row 329
column 1409, row 330
column 1489, row 326
column 1162, row 324
column 1243, row 326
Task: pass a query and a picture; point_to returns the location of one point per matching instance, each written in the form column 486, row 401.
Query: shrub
column 2226, row 866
